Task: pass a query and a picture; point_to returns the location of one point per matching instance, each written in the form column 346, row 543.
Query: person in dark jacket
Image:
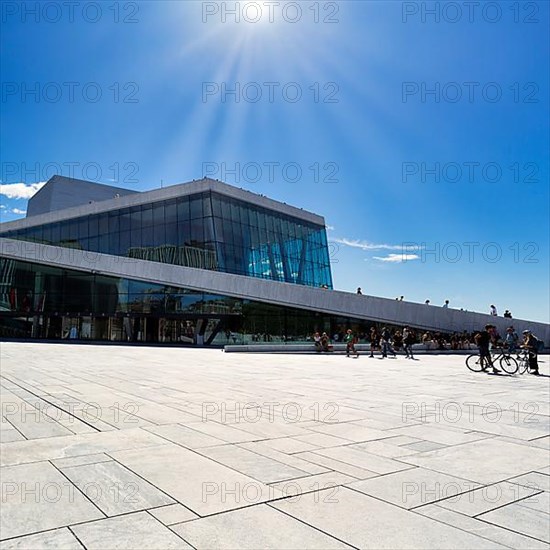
column 483, row 340
column 531, row 344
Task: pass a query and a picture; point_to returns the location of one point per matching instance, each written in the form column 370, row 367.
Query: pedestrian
column 350, row 341
column 511, row 340
column 493, row 310
column 507, row 314
column 373, row 341
column 483, row 339
column 397, row 340
column 446, row 304
column 531, row 344
column 427, row 302
column 408, row 341
column 359, row 290
column 385, row 343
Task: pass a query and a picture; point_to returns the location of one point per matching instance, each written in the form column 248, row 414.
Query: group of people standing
column 387, row 343
column 384, row 341
column 490, row 338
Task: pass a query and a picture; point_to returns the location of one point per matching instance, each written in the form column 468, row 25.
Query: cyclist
column 531, row 344
column 483, row 339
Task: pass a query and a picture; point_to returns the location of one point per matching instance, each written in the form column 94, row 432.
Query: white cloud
column 330, row 227
column 18, row 211
column 365, row 245
column 2, row 206
column 396, row 258
column 20, row 190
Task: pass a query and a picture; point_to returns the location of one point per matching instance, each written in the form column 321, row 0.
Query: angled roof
column 173, row 191
column 61, row 192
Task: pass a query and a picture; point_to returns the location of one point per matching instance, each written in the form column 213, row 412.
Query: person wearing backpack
column 532, row 344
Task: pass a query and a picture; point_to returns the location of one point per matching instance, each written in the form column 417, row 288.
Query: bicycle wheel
column 473, row 362
column 523, row 365
column 508, row 364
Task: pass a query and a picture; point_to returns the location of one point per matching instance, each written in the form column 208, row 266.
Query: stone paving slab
column 138, row 530
column 536, row 480
column 412, row 488
column 505, row 537
column 337, row 465
column 253, row 528
column 37, row 497
column 366, row 522
column 252, row 464
column 58, row 539
column 489, row 497
column 293, row 460
column 244, row 451
column 114, row 489
column 174, row 513
column 363, row 459
column 525, row 521
column 201, row 484
column 22, row 452
column 540, row 502
column 485, row 461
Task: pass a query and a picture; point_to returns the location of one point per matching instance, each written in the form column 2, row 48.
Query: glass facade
column 39, row 301
column 207, row 230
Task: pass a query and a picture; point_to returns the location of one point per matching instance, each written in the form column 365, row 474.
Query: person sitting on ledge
column 325, row 342
column 317, row 341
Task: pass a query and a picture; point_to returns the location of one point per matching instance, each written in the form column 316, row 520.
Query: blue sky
column 332, row 116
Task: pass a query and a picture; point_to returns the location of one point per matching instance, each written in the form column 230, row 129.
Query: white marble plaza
column 106, row 447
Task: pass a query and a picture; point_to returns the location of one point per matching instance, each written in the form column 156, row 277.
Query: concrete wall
column 286, row 294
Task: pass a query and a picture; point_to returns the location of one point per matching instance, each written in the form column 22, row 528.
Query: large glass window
column 208, row 231
column 49, row 302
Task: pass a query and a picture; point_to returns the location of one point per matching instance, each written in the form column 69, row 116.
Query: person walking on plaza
column 359, row 290
column 373, row 341
column 446, row 304
column 483, row 340
column 350, row 341
column 385, row 343
column 493, row 310
column 531, row 344
column 408, row 341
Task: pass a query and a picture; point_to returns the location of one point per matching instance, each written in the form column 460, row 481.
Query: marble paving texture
column 143, row 447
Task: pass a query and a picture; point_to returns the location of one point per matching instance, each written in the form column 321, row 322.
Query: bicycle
column 523, row 358
column 505, row 361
